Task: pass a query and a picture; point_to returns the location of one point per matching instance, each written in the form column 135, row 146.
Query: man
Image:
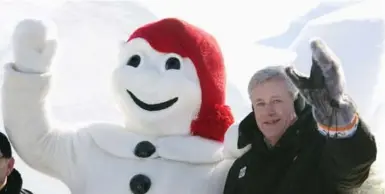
column 10, row 178
column 305, row 133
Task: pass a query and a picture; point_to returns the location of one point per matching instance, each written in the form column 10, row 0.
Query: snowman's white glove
column 32, row 49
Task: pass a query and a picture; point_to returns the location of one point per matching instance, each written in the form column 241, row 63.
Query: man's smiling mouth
column 152, row 107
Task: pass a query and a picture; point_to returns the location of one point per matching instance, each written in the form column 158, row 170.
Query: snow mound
column 285, row 39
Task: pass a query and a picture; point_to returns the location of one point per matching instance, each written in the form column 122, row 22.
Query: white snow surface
column 89, row 33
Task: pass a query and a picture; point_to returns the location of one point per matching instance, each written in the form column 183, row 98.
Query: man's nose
column 270, row 111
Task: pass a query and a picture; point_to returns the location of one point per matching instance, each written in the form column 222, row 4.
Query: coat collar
column 119, row 142
column 14, row 183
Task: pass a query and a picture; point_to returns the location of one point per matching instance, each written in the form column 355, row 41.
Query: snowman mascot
column 169, row 85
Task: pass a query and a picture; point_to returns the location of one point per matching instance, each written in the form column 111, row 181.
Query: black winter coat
column 14, row 184
column 303, row 161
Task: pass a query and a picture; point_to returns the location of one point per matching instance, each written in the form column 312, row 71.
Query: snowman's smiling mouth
column 152, row 107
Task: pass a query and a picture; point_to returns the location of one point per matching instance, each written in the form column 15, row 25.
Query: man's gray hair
column 269, row 73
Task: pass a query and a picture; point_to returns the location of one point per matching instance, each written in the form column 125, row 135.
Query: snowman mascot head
column 171, row 80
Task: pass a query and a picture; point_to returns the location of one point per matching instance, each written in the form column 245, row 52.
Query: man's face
column 273, row 107
column 6, row 167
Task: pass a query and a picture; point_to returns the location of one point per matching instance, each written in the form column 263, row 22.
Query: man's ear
column 10, row 165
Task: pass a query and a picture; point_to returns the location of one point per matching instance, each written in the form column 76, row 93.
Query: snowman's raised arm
column 26, row 83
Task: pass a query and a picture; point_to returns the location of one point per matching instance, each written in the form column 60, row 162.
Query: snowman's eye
column 134, row 61
column 172, row 63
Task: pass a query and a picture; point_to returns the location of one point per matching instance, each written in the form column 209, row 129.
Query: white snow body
column 99, row 158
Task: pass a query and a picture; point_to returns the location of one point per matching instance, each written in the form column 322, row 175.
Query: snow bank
column 284, row 39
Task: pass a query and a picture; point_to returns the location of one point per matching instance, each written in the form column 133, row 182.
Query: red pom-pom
column 213, row 123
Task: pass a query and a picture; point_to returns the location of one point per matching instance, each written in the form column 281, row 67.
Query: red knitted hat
column 175, row 36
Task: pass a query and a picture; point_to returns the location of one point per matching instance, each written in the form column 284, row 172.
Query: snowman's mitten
column 32, row 51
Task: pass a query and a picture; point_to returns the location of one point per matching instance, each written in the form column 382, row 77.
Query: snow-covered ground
column 89, row 32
